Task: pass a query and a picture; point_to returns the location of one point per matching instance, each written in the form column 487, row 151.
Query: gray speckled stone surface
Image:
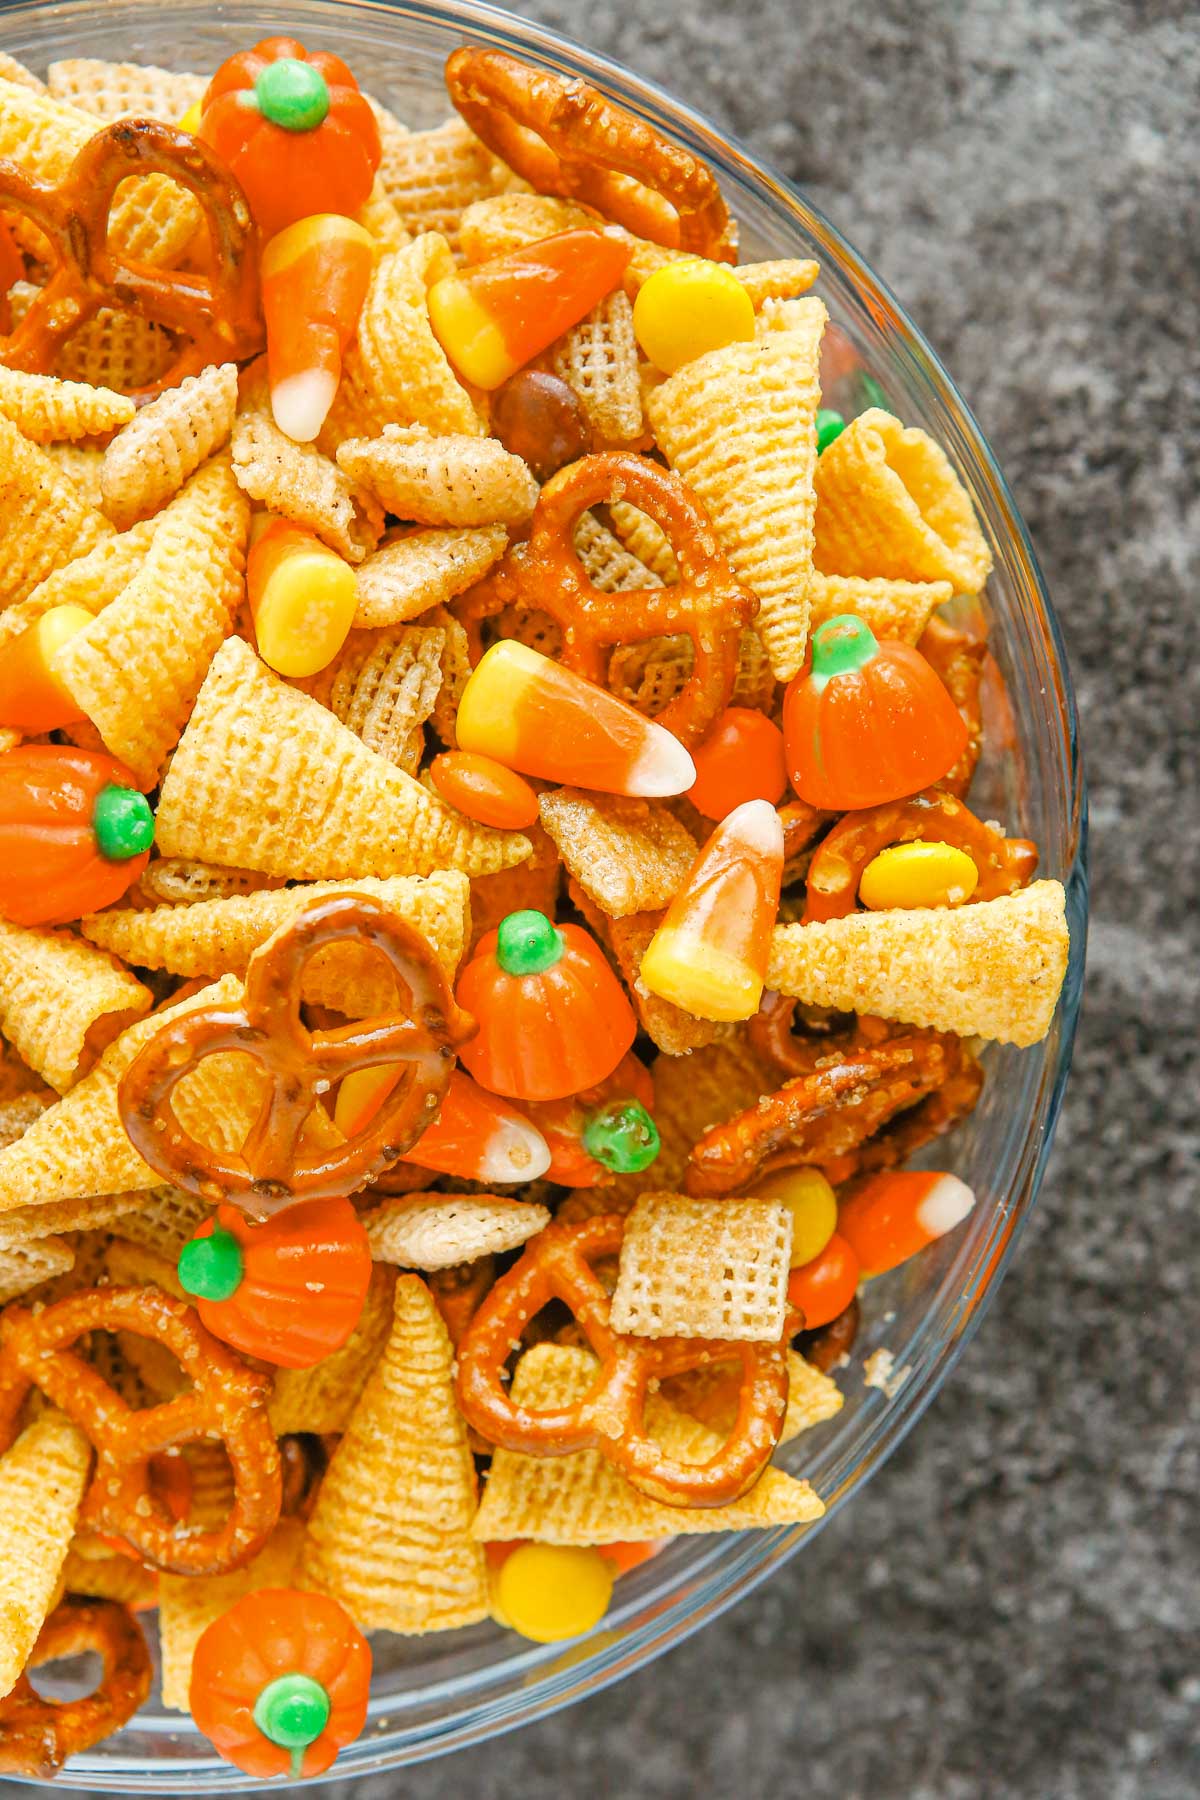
column 1011, row 1608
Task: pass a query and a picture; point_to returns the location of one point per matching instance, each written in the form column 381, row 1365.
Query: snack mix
column 489, row 900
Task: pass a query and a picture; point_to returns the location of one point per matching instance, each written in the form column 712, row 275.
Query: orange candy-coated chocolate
column 824, row 1287
column 484, row 789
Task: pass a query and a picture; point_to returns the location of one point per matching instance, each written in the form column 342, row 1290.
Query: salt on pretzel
column 610, row 1417
column 37, row 1734
column 707, row 604
column 225, row 1399
column 215, row 314
column 566, row 138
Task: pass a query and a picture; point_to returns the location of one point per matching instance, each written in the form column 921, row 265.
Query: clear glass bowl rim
column 531, row 1682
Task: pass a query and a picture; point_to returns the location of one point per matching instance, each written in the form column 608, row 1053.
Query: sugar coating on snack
column 42, row 1480
column 57, row 994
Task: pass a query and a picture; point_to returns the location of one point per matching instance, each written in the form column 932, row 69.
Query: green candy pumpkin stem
column 211, row 1268
column 527, row 943
column 622, row 1137
column 840, row 646
column 292, row 1711
column 122, row 823
column 292, row 94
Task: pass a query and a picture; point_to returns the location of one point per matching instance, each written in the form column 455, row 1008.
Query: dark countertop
column 1004, row 1611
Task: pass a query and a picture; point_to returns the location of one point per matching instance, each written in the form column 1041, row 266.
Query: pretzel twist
column 270, row 1172
column 226, row 1400
column 611, row 1417
column 37, row 1735
column 566, row 138
column 707, row 604
column 215, row 314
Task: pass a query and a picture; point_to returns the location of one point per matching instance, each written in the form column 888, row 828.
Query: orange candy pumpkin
column 867, row 721
column 75, row 833
column 294, row 130
column 289, row 1290
column 553, row 1018
column 280, row 1683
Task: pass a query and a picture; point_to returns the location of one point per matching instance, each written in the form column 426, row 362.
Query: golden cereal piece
column 177, row 881
column 82, row 465
column 390, row 1535
column 889, row 503
column 26, row 1223
column 60, row 1000
column 629, row 856
column 892, row 609
column 452, row 480
column 598, row 359
column 218, row 937
column 93, row 580
column 297, row 482
column 606, row 561
column 438, row 1231
column 12, row 70
column 704, row 1268
column 627, row 941
column 188, row 1605
column 137, row 668
column 739, row 425
column 161, row 1219
column 42, row 1480
column 116, row 350
column 644, row 538
column 397, row 363
column 711, row 1395
column 44, row 520
column 266, row 778
column 89, row 1571
column 383, row 685
column 27, row 1264
column 992, row 969
column 432, row 177
column 379, row 216
column 150, row 460
column 114, row 90
column 420, row 569
column 47, row 410
column 583, row 1499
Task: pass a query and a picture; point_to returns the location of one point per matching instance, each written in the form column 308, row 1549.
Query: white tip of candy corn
column 301, row 403
column 946, row 1205
column 662, row 767
column 757, row 825
column 516, row 1151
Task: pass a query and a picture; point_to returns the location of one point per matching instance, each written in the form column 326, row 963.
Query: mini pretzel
column 37, row 1735
column 216, row 314
column 957, row 660
column 822, row 1117
column 610, row 1418
column 829, row 1343
column 931, row 1118
column 226, row 1400
column 1004, row 864
column 773, row 1035
column 270, row 1172
column 707, row 604
column 565, row 138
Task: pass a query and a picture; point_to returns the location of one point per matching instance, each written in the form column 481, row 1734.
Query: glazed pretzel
column 37, row 1735
column 610, row 1418
column 565, row 138
column 1004, row 864
column 707, row 604
column 226, row 1400
column 216, row 314
column 957, row 659
column 270, row 1172
column 824, row 1116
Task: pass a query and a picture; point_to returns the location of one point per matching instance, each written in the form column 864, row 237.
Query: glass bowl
column 437, row 1693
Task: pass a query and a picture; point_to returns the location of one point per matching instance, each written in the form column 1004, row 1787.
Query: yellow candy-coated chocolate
column 910, row 875
column 191, row 118
column 813, row 1206
column 689, row 308
column 305, row 611
column 549, row 1592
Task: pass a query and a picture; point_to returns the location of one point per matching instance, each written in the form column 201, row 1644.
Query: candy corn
column 531, row 714
column 474, row 1136
column 896, row 1213
column 494, row 318
column 32, row 698
column 315, row 276
column 709, row 955
column 302, row 599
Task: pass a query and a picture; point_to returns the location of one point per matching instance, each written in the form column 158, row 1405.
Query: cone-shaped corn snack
column 47, row 410
column 265, row 778
column 711, row 1395
column 60, row 999
column 42, row 1478
column 322, row 1397
column 739, row 425
column 44, row 520
column 218, row 937
column 27, row 1264
column 889, row 503
column 389, row 1535
column 582, row 1499
column 990, row 970
column 424, row 569
column 397, row 364
column 441, row 480
column 188, row 1604
column 892, row 609
column 152, row 457
column 93, row 580
column 137, row 669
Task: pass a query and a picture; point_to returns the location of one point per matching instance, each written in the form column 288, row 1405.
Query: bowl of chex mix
column 542, row 883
